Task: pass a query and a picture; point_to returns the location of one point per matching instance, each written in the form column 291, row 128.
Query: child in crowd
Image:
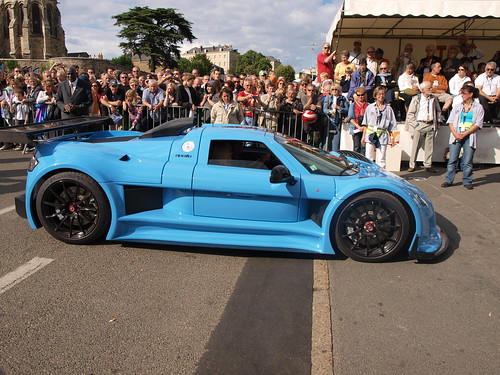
column 18, row 109
column 270, row 103
column 131, row 108
column 335, row 107
column 20, row 112
column 345, row 81
column 46, row 102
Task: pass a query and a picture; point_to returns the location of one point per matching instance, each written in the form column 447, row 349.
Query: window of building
column 20, row 20
column 51, row 17
column 36, row 19
column 6, row 24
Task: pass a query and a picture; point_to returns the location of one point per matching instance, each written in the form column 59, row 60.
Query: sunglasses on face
column 460, row 69
column 489, row 70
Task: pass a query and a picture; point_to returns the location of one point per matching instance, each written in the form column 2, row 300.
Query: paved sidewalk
column 484, row 198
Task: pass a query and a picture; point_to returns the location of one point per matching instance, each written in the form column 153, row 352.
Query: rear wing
column 43, row 130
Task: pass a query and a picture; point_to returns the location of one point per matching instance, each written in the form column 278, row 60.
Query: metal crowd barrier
column 284, row 122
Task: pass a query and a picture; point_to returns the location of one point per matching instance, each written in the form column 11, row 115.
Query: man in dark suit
column 74, row 96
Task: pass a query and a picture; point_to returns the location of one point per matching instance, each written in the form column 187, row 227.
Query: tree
column 286, row 71
column 123, row 60
column 155, row 33
column 184, row 65
column 200, row 62
column 252, row 62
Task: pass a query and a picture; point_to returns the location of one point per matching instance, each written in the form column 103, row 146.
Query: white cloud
column 283, row 29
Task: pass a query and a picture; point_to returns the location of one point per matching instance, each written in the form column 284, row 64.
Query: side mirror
column 280, row 174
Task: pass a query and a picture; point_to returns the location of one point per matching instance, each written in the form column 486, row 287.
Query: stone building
column 31, row 29
column 224, row 57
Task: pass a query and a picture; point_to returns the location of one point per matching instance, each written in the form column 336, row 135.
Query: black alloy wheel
column 73, row 208
column 372, row 227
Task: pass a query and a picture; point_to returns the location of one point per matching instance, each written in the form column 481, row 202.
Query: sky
column 292, row 31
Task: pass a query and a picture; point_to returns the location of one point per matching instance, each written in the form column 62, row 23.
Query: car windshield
column 316, row 160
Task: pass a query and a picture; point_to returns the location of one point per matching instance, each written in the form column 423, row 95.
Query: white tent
column 392, row 23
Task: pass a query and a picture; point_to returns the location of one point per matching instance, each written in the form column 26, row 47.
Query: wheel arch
column 335, row 211
column 31, row 206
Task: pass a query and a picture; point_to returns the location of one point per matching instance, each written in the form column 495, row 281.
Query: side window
column 242, row 154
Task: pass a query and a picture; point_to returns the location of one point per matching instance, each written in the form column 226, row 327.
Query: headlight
column 419, row 196
column 33, row 164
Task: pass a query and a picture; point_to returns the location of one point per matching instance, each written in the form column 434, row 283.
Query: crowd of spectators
column 313, row 110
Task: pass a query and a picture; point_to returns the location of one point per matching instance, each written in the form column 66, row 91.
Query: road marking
column 23, row 272
column 8, row 209
column 322, row 344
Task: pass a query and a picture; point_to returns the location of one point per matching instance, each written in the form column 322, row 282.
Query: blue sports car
column 219, row 185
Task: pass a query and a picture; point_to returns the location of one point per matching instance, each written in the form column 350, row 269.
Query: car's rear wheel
column 371, row 227
column 73, row 208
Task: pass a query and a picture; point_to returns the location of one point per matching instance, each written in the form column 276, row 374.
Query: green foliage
column 252, row 62
column 156, row 33
column 184, row 65
column 11, row 64
column 286, row 71
column 202, row 63
column 123, row 60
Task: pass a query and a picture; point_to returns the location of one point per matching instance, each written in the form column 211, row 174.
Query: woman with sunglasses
column 379, row 123
column 385, row 79
column 458, row 80
column 465, row 120
column 97, row 94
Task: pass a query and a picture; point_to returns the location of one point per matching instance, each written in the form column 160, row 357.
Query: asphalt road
column 114, row 308
column 442, row 317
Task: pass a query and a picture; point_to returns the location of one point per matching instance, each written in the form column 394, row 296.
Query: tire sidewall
column 387, row 199
column 103, row 218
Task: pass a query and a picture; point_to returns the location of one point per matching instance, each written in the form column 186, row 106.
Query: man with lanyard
column 464, row 121
column 152, row 98
column 424, row 116
column 356, row 54
column 488, row 84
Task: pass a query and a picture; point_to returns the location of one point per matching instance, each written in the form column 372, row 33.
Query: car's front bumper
column 20, row 202
column 432, row 247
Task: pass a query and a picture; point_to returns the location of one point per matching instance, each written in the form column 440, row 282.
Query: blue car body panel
column 194, row 202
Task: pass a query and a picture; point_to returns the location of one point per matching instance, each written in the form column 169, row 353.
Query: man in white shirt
column 356, row 54
column 424, row 116
column 371, row 62
column 488, row 84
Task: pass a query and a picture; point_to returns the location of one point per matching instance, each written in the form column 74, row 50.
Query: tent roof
column 422, row 19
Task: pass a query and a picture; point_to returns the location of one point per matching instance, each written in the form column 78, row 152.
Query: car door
column 231, row 180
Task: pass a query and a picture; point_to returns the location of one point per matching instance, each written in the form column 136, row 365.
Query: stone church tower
column 31, row 29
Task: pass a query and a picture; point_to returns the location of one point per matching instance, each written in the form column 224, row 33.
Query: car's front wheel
column 371, row 227
column 73, row 208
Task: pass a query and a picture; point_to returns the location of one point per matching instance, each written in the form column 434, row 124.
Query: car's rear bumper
column 20, row 202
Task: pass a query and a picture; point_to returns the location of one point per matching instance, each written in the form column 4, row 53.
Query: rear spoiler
column 34, row 132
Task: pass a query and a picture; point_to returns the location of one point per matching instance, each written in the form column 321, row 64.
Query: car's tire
column 371, row 227
column 73, row 208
